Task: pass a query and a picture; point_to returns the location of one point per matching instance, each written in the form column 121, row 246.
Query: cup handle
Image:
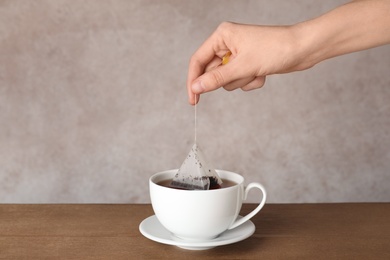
column 256, row 210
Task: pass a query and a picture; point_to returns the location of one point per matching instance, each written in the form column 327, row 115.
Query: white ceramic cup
column 201, row 214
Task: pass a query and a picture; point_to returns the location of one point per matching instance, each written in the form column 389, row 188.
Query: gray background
column 93, row 102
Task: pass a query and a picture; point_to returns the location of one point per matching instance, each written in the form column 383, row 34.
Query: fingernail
column 198, row 87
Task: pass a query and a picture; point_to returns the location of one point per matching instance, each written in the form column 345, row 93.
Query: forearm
column 352, row 27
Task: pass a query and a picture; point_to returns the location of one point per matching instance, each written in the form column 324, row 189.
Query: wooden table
column 283, row 231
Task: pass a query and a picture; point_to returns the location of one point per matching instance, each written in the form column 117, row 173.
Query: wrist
column 352, row 27
column 306, row 49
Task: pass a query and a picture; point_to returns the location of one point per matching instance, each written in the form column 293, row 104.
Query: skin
column 259, row 51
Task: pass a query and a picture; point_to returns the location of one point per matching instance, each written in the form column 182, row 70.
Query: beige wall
column 93, row 101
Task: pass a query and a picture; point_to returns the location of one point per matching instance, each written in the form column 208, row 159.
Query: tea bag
column 195, row 173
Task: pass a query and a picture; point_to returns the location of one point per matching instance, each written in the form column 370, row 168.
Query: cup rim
column 240, row 178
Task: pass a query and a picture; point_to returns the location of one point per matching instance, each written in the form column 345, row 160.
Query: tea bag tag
column 195, row 173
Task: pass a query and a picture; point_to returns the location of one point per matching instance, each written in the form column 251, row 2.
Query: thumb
column 214, row 79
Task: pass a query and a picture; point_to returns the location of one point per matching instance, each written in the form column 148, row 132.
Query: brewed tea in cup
column 201, row 215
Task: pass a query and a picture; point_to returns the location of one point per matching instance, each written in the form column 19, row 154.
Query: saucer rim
column 249, row 228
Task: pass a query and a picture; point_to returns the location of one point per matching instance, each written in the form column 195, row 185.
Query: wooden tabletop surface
column 283, row 231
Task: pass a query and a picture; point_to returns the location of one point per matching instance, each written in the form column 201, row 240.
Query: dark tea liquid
column 213, row 186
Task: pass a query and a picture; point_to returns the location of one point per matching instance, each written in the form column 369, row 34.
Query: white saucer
column 152, row 229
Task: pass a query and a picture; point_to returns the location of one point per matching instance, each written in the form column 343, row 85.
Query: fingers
column 210, row 81
column 257, row 83
column 210, row 66
column 246, row 84
column 208, row 56
column 214, row 78
column 196, row 68
column 236, row 74
column 192, row 98
column 215, row 62
column 238, row 84
column 231, row 76
column 205, row 72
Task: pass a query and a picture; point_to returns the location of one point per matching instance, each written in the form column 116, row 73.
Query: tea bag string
column 195, row 121
column 225, row 60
